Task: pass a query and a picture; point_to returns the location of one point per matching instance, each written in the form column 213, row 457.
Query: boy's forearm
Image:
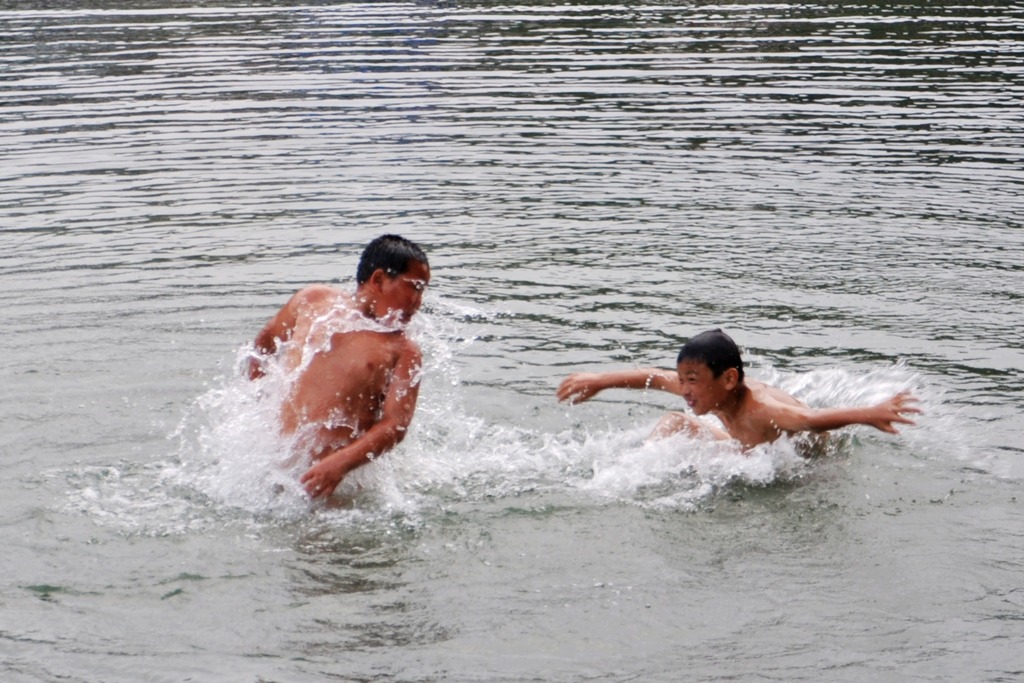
column 582, row 386
column 640, row 378
column 377, row 441
column 827, row 419
column 323, row 477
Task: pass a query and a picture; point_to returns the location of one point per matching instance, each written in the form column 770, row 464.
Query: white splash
column 230, row 462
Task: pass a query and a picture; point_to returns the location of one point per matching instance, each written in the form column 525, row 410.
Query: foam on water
column 939, row 426
column 230, row 463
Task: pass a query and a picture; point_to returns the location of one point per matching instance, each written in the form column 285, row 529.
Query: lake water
column 838, row 185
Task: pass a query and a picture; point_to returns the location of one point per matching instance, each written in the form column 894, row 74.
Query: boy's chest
column 752, row 427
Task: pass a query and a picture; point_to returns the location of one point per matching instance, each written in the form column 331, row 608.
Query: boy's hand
column 254, row 367
column 893, row 410
column 579, row 387
column 322, row 478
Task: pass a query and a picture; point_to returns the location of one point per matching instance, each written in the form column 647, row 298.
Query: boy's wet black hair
column 714, row 349
column 391, row 254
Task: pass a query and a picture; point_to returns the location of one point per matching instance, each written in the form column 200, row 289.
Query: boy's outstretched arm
column 882, row 416
column 580, row 386
column 396, row 415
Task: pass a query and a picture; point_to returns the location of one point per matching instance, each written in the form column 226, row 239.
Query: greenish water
column 838, row 186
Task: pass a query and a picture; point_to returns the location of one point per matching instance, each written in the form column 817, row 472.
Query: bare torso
column 752, row 423
column 341, row 374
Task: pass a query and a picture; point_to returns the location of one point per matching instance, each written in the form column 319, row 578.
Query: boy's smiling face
column 703, row 391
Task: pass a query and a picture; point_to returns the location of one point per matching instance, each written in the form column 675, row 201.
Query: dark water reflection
column 554, row 101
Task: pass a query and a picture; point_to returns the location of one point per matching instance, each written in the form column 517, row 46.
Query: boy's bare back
column 352, row 373
column 342, row 376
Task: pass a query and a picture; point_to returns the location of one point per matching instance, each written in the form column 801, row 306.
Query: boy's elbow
column 396, row 432
column 399, row 433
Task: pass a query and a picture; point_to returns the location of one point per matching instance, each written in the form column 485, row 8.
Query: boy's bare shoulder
column 408, row 348
column 403, row 353
column 391, row 348
column 767, row 395
column 317, row 294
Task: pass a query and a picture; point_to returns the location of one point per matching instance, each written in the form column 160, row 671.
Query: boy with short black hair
column 353, row 374
column 709, row 376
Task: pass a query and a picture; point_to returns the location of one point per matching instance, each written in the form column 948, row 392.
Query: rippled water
column 837, row 185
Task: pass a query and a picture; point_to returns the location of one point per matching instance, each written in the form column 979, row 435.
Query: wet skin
column 354, row 391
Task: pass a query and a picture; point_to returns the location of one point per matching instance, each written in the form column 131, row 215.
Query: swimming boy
column 353, row 374
column 709, row 376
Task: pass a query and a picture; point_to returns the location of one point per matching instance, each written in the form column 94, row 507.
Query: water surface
column 836, row 185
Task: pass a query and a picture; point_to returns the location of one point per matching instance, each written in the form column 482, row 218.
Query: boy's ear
column 731, row 378
column 377, row 278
